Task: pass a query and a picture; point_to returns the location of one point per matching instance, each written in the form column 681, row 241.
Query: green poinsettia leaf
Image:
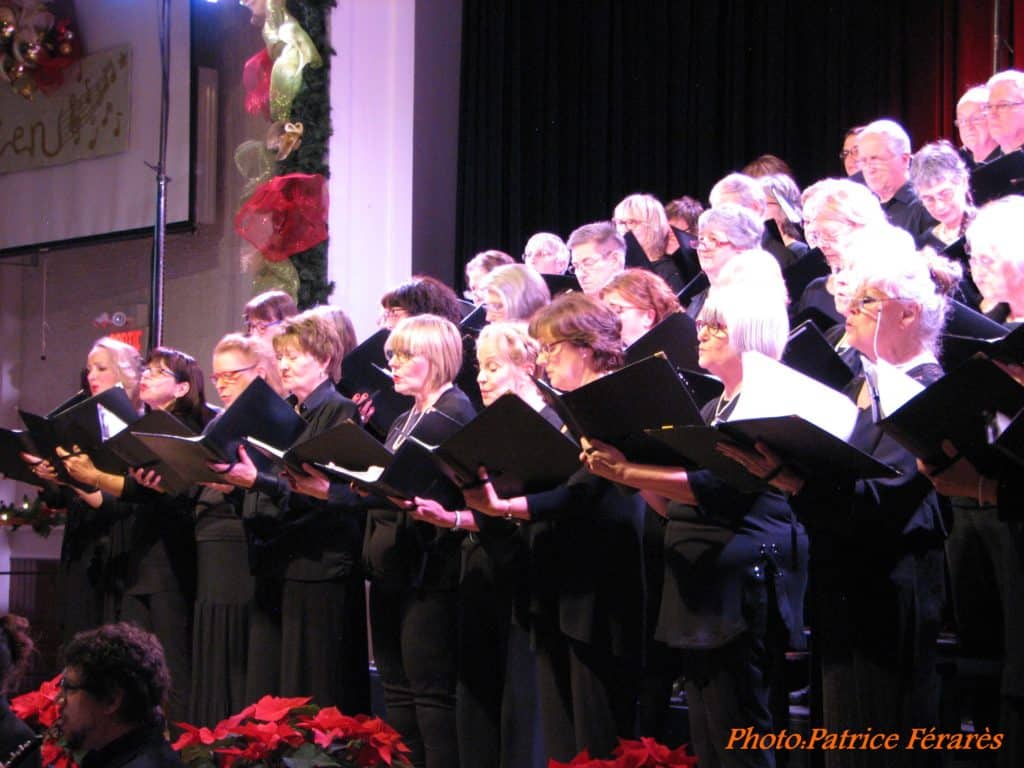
column 310, row 756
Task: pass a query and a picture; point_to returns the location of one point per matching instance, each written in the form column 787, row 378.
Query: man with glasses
column 111, row 698
column 884, row 151
column 1006, row 109
column 972, row 125
column 598, row 253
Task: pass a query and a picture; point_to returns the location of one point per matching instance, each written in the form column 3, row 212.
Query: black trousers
column 414, row 644
column 497, row 717
column 318, row 644
column 730, row 687
column 588, row 696
column 878, row 659
column 168, row 616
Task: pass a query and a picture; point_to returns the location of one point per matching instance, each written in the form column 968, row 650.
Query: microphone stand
column 156, row 282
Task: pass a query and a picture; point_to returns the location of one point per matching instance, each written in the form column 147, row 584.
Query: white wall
column 371, row 153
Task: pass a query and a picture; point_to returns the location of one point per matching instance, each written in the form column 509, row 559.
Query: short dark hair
column 269, row 307
column 584, row 322
column 191, row 407
column 123, row 657
column 424, row 295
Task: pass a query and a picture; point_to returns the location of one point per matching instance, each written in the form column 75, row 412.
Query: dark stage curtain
column 566, row 107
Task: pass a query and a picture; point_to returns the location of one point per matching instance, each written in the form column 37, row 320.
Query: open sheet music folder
column 258, row 412
column 619, row 407
column 522, row 451
column 959, row 407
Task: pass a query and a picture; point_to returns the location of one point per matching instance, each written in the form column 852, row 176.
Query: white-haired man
column 1006, row 109
column 972, row 124
column 884, row 151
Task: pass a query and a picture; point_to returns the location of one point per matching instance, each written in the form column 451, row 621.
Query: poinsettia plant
column 642, row 753
column 39, row 710
column 293, row 732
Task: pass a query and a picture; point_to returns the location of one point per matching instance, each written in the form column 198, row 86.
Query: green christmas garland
column 312, row 108
column 33, row 513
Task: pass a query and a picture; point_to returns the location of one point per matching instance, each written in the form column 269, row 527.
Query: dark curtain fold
column 566, row 107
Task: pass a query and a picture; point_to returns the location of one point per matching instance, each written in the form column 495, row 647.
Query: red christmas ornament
column 285, row 215
column 256, row 79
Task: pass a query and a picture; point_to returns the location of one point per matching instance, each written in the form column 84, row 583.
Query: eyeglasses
column 978, row 259
column 877, row 161
column 713, row 329
column 710, row 243
column 944, row 196
column 818, row 235
column 1002, row 106
column 848, row 153
column 398, row 356
column 148, row 373
column 978, row 118
column 550, row 349
column 64, row 687
column 260, row 326
column 589, row 262
column 230, row 377
column 621, row 309
column 864, row 303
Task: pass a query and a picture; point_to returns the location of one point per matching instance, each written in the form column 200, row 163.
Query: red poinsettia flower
column 648, row 753
column 192, row 736
column 39, row 706
column 271, row 735
column 378, row 742
column 272, row 709
column 582, row 760
column 254, row 752
column 54, row 755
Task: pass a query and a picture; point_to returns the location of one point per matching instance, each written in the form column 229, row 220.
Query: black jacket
column 399, row 552
column 145, row 747
column 301, row 538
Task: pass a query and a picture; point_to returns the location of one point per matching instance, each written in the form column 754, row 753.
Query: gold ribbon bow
column 292, row 50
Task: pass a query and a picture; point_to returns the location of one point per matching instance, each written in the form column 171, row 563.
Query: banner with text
column 90, row 116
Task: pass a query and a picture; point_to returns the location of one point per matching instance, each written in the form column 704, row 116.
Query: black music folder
column 696, row 285
column 126, row 451
column 636, row 257
column 957, row 350
column 12, row 443
column 523, row 452
column 618, row 407
column 474, row 322
column 676, row 336
column 411, row 470
column 808, row 448
column 959, row 407
column 999, row 178
column 346, row 444
column 807, row 351
column 365, row 369
column 258, row 412
column 558, row 284
column 703, row 387
column 961, row 320
column 1007, row 436
column 821, row 318
column 79, row 422
column 803, row 272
